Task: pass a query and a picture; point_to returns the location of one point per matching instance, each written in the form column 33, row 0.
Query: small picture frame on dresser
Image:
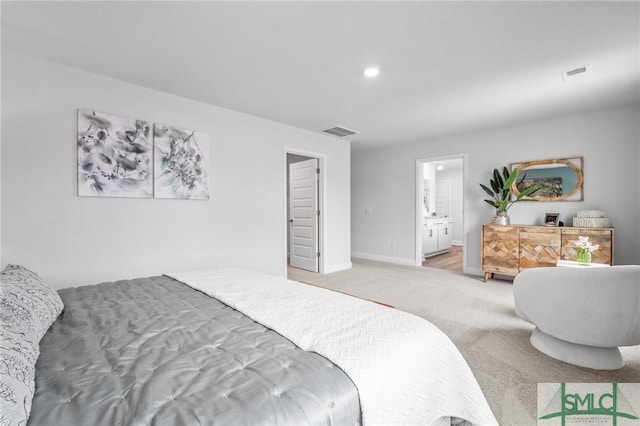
column 551, row 219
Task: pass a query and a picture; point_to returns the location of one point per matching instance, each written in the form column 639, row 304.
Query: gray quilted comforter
column 153, row 351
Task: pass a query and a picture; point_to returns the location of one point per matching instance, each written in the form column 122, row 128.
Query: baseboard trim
column 387, row 259
column 339, row 267
column 456, row 243
column 473, row 271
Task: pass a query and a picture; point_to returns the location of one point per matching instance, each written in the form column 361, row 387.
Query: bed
column 235, row 347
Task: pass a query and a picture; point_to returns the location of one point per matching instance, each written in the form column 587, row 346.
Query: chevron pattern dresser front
column 507, row 250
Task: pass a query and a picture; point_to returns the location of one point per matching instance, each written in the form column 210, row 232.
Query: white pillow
column 28, row 307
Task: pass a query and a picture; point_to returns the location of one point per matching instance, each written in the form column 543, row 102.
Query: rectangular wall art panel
column 114, row 156
column 181, row 159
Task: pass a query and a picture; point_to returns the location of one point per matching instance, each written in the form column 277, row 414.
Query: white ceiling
column 447, row 67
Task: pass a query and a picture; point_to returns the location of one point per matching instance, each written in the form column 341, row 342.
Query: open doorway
column 440, row 213
column 303, row 207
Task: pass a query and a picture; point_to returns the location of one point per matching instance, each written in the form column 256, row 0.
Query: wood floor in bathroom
column 451, row 261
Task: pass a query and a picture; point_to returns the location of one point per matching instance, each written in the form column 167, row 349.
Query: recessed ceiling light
column 371, row 71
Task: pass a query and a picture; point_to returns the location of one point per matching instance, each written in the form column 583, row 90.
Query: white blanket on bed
column 406, row 370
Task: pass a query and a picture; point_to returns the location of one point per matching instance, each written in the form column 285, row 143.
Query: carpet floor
column 480, row 319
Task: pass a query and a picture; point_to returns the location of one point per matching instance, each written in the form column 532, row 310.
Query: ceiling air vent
column 575, row 73
column 340, row 131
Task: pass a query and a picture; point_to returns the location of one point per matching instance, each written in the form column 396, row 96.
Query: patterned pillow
column 28, row 307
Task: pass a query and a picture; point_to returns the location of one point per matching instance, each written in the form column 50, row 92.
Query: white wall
column 72, row 240
column 384, row 180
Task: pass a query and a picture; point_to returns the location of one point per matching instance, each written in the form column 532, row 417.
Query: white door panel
column 303, row 232
column 303, row 202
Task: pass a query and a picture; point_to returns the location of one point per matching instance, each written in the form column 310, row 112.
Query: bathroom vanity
column 436, row 235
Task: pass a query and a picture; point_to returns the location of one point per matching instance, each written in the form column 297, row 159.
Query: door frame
column 419, row 194
column 321, row 204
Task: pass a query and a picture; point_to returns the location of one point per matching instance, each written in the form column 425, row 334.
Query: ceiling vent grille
column 576, row 73
column 340, row 131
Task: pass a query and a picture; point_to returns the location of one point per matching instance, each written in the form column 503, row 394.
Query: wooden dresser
column 507, row 250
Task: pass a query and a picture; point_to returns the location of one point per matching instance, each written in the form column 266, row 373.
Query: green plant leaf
column 502, row 194
column 528, row 191
column 505, row 173
column 524, row 175
column 507, row 198
column 503, row 205
column 498, row 178
column 510, row 179
column 487, row 190
column 496, row 187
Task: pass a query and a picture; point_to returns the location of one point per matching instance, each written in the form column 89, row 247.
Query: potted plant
column 501, row 194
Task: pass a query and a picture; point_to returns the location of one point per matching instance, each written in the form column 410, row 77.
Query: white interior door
column 303, row 214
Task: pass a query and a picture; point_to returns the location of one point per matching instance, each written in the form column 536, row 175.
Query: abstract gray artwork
column 181, row 162
column 114, row 156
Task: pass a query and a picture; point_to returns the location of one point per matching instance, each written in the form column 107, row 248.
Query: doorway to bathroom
column 440, row 212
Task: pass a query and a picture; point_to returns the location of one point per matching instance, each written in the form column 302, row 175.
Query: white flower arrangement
column 584, row 244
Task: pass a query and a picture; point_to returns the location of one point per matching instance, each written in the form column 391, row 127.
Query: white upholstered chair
column 582, row 315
